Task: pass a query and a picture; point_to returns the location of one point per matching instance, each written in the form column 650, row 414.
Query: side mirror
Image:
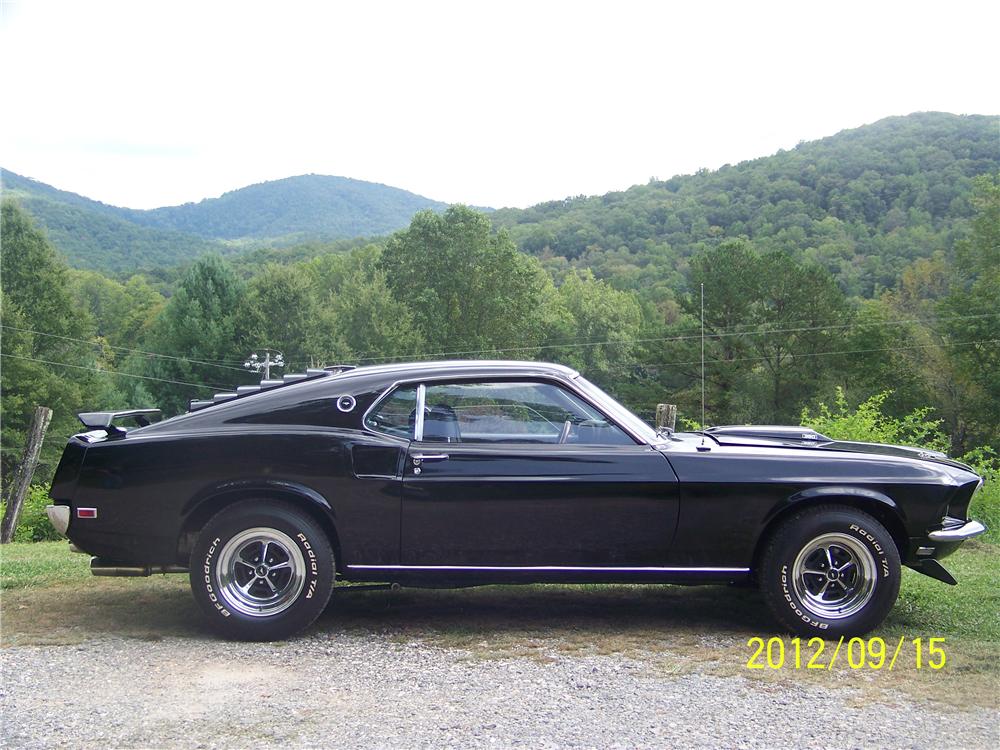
column 666, row 417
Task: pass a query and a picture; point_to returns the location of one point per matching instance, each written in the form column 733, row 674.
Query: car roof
column 443, row 367
column 358, row 379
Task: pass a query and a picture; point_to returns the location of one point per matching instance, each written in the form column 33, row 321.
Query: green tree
column 972, row 319
column 122, row 312
column 197, row 330
column 599, row 324
column 371, row 322
column 469, row 289
column 359, row 317
column 801, row 314
column 279, row 311
column 47, row 354
column 730, row 273
column 770, row 325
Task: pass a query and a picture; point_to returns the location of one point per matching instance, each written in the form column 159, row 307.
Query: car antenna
column 703, row 361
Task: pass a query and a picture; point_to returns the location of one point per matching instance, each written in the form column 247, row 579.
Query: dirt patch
column 669, row 631
column 144, row 608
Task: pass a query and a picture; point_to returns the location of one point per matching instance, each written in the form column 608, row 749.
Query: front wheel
column 830, row 571
column 261, row 570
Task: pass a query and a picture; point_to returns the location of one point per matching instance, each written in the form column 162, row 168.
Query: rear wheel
column 830, row 571
column 261, row 570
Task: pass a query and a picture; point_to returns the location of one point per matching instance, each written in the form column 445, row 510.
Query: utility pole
column 271, row 358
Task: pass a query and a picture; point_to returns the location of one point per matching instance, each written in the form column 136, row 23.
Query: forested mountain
column 95, row 235
column 863, row 203
column 306, row 208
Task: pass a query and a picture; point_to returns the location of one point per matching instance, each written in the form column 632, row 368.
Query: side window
column 505, row 412
column 395, row 415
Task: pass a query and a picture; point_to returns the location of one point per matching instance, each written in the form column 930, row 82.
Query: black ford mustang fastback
column 475, row 472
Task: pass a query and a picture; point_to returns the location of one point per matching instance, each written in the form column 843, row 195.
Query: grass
column 48, row 596
column 29, row 565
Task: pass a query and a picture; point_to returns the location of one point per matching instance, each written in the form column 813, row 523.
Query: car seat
column 441, row 424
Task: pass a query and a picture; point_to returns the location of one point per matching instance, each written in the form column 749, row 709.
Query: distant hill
column 95, row 235
column 283, row 212
column 864, row 203
column 312, row 205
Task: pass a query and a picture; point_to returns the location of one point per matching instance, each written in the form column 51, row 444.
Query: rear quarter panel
column 145, row 486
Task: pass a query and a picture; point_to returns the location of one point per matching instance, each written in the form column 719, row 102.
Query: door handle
column 420, row 457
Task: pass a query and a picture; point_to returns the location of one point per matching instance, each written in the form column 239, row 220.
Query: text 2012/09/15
column 858, row 653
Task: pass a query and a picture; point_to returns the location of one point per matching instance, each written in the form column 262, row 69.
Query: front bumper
column 956, row 530
column 926, row 552
column 58, row 517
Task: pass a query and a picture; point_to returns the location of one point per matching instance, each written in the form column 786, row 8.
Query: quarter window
column 395, row 415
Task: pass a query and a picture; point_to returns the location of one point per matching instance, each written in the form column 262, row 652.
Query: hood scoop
column 767, row 434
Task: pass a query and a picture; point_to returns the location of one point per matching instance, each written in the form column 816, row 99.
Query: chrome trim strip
column 552, row 378
column 381, row 397
column 957, row 533
column 569, row 568
column 418, row 423
column 549, row 378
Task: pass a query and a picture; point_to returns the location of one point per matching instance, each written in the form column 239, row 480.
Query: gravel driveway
column 371, row 690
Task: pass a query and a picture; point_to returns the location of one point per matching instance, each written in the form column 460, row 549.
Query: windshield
column 616, row 410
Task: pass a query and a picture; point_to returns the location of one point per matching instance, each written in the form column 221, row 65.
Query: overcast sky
column 144, row 104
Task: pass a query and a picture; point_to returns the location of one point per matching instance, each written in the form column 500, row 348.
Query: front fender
column 833, row 492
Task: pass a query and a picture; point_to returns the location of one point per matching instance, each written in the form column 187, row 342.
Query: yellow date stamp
column 854, row 653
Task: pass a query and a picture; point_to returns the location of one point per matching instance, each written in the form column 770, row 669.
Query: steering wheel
column 564, row 434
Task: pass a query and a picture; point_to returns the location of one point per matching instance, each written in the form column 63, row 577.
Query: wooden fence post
column 25, row 471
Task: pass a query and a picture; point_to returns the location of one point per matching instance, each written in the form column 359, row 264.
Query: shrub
column 986, row 506
column 869, row 424
column 34, row 525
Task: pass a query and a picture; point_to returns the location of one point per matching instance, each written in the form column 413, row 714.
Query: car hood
column 767, row 436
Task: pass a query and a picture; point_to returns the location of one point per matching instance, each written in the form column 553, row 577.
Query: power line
column 210, row 363
column 112, row 372
column 690, row 337
column 569, row 344
column 814, row 354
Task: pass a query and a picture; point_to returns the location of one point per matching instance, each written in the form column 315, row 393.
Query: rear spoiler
column 103, row 420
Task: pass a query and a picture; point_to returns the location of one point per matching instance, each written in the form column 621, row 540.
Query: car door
column 529, row 474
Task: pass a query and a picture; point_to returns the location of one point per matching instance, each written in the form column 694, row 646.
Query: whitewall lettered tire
column 830, row 571
column 262, row 570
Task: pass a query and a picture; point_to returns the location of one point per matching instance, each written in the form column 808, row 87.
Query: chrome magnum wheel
column 262, row 570
column 834, row 576
column 830, row 570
